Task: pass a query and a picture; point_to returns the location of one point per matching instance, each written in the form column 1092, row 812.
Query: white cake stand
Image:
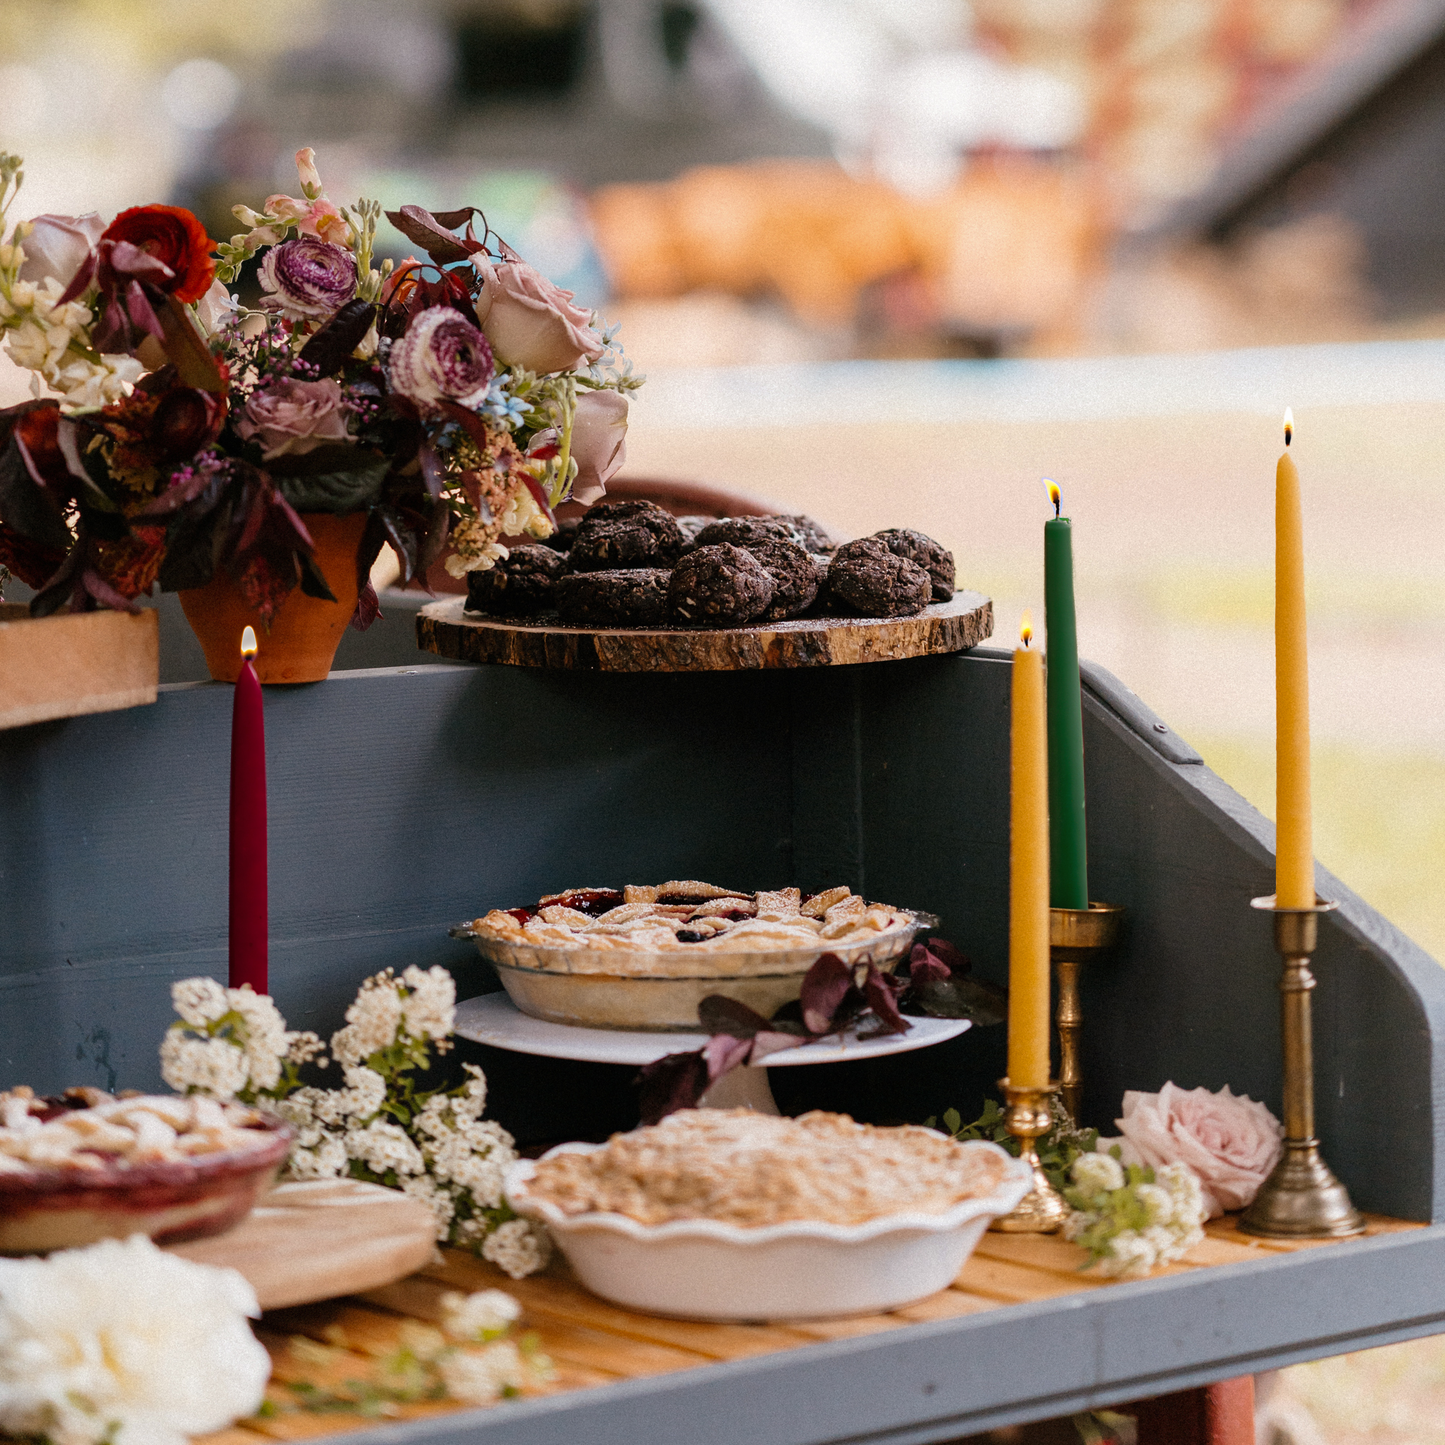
column 494, row 1019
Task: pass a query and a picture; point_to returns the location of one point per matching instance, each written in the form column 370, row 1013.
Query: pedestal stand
column 1075, row 936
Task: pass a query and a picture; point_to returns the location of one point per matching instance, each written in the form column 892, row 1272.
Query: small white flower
column 371, row 1021
column 1157, row 1201
column 365, row 1092
column 327, row 1160
column 517, row 1248
column 1097, row 1173
column 382, row 1146
column 1130, row 1254
column 440, row 1201
column 199, row 1001
column 202, row 1066
column 480, row 1316
column 478, row 1377
column 123, row 1342
column 430, row 1010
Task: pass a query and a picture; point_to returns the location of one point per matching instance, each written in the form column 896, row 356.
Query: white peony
column 122, row 1342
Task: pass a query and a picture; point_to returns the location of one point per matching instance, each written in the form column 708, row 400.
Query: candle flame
column 1026, row 628
column 1052, row 488
column 1288, row 425
column 248, row 643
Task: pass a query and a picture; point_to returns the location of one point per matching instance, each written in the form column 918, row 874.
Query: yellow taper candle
column 1294, row 882
column 1028, row 933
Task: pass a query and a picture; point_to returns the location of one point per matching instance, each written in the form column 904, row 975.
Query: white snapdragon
column 121, row 1342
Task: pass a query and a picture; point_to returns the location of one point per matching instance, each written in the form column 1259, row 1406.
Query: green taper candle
column 1068, row 849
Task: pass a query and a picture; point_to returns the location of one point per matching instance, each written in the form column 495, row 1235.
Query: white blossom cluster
column 125, row 1344
column 471, row 1355
column 51, row 338
column 434, row 1146
column 1132, row 1228
column 231, row 1043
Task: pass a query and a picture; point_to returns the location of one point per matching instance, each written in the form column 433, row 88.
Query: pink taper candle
column 248, row 827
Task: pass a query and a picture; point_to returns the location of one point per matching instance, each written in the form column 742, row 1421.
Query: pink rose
column 294, row 416
column 59, row 245
column 599, row 443
column 1228, row 1140
column 531, row 322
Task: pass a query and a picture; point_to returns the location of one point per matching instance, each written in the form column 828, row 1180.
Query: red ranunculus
column 174, row 236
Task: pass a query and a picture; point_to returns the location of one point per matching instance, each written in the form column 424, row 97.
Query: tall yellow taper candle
column 1028, row 933
column 1294, row 882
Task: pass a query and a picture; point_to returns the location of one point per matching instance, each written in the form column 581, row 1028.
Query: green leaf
column 332, row 478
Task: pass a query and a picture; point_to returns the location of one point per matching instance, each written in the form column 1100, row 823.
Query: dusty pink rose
column 58, row 245
column 1228, row 1140
column 599, row 443
column 531, row 322
column 294, row 416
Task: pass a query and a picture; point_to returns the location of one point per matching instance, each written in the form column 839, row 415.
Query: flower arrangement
column 454, row 399
column 431, row 1144
column 471, row 1358
column 1132, row 1220
column 125, row 1344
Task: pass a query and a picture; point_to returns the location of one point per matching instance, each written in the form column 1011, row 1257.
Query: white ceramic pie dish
column 703, row 1269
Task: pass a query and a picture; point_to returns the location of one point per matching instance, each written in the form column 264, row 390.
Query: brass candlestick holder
column 1026, row 1113
column 1075, row 936
column 1301, row 1199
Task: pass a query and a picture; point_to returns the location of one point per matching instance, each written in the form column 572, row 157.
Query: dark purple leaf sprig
column 835, row 996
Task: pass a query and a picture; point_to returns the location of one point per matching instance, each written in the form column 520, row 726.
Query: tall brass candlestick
column 1027, row 1115
column 1301, row 1199
column 1075, row 936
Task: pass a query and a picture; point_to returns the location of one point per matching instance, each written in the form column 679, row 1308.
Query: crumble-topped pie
column 693, row 916
column 754, row 1170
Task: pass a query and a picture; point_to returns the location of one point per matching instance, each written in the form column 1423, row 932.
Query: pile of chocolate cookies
column 633, row 564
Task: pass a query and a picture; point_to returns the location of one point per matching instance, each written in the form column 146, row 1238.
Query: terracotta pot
column 305, row 632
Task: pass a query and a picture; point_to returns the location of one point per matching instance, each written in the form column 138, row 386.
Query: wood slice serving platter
column 315, row 1239
column 447, row 630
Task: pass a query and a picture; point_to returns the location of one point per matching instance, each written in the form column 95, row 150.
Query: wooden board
column 75, row 663
column 592, row 1343
column 445, row 629
column 317, row 1239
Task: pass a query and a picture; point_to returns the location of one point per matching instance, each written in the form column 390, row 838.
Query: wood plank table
column 618, row 1374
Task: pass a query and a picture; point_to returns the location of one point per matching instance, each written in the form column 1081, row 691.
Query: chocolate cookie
column 741, row 531
column 561, row 540
column 521, row 584
column 636, row 597
column 720, row 585
column 795, row 577
column 615, row 535
column 875, row 582
column 933, row 557
column 690, row 527
column 807, row 533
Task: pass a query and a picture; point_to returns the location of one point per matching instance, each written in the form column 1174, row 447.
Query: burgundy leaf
column 452, row 219
column 926, row 967
column 368, row 608
column 948, row 955
column 80, row 282
column 824, row 988
column 719, row 1014
column 723, row 1053
column 433, row 535
column 879, row 990
column 329, row 348
column 104, row 593
column 419, row 225
column 676, row 1081
column 771, row 1042
column 539, row 495
column 58, row 589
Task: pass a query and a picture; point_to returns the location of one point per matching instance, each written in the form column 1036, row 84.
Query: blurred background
column 892, row 262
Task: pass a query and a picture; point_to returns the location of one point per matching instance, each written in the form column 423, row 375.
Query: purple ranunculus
column 442, row 357
column 307, row 279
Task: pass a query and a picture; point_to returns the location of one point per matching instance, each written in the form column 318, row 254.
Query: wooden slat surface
column 592, row 1343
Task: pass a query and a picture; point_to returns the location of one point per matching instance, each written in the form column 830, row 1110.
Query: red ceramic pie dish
column 44, row 1209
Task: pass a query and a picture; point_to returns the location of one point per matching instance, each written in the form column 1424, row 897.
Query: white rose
column 1229, row 1141
column 123, row 1342
column 58, row 246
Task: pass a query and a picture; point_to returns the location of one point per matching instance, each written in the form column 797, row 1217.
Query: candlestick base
column 1043, row 1209
column 1075, row 936
column 1301, row 1199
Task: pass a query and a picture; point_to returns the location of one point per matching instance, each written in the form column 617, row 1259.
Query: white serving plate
column 702, row 1269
